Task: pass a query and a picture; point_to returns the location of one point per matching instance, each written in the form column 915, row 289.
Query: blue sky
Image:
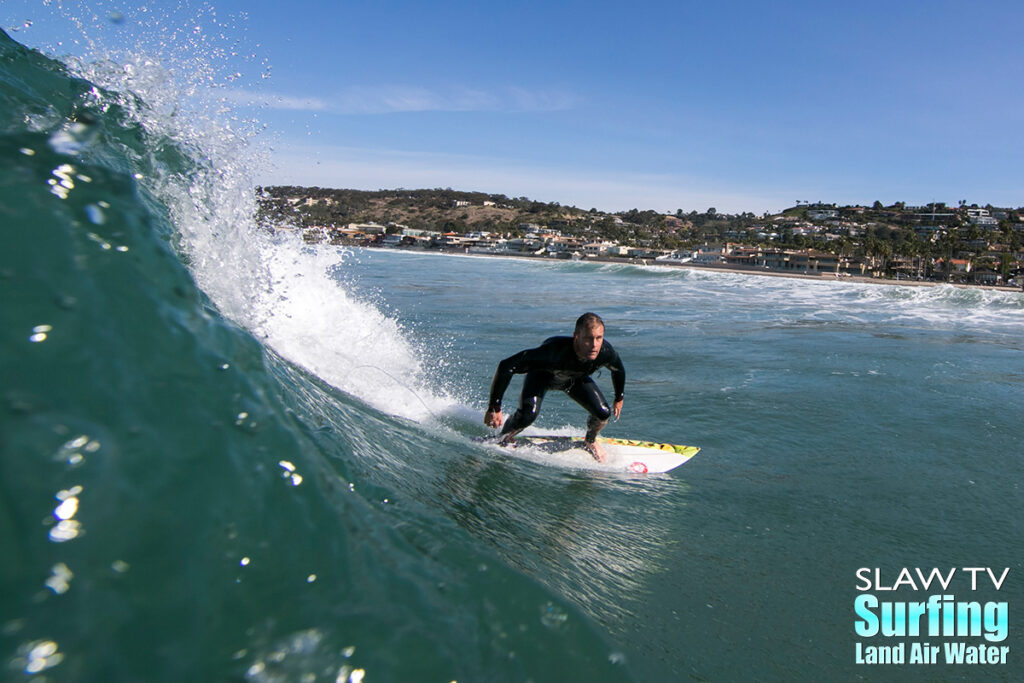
column 738, row 105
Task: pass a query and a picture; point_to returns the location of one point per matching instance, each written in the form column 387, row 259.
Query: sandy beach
column 821, row 277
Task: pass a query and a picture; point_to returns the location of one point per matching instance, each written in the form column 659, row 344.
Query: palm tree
column 947, row 243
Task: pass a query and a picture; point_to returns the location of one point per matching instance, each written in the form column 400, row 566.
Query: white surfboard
column 623, row 455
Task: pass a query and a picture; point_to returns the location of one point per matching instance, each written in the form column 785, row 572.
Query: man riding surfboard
column 564, row 363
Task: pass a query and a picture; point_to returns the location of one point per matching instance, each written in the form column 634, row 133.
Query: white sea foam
column 276, row 287
column 310, row 319
column 939, row 306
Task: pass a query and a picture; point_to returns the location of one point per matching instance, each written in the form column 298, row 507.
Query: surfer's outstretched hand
column 494, row 418
column 617, row 408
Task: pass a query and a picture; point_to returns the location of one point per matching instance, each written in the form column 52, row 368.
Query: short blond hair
column 587, row 321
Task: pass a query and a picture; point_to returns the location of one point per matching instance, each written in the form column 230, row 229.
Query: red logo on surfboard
column 638, row 467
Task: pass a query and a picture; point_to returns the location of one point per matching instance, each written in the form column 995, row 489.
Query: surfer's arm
column 502, row 378
column 521, row 362
column 618, row 371
column 543, row 357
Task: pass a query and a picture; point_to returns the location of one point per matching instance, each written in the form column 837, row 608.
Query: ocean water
column 227, row 455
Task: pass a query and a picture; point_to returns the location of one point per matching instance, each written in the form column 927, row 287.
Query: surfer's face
column 587, row 342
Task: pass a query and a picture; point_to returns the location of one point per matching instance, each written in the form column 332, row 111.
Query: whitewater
column 227, row 454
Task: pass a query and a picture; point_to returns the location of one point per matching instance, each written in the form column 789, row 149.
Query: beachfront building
column 774, row 259
column 642, row 253
column 743, row 257
column 679, row 256
column 421, row 236
column 987, row 277
column 529, row 244
column 563, row 246
column 807, row 261
column 597, row 248
column 955, row 270
column 453, row 240
column 709, row 255
column 370, row 228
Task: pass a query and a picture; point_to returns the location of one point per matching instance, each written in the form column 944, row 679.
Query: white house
column 597, row 248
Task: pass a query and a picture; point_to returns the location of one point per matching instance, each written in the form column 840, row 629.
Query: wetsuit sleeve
column 503, row 376
column 618, row 371
column 548, row 356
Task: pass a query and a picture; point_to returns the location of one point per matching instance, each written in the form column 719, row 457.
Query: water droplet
column 95, row 214
column 39, row 333
column 71, row 452
column 290, row 473
column 104, row 245
column 65, row 530
column 67, row 509
column 60, row 579
column 62, row 184
column 553, row 616
column 42, row 655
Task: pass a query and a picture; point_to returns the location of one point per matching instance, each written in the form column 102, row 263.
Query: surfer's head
column 588, row 336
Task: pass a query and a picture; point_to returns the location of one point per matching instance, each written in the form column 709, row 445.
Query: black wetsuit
column 554, row 365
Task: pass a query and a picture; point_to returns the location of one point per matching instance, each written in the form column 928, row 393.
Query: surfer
column 564, row 363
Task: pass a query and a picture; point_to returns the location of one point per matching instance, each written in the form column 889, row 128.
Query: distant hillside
column 988, row 236
column 437, row 209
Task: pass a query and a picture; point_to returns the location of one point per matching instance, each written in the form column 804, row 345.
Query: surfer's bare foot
column 595, row 450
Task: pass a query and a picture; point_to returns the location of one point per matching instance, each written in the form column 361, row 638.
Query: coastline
column 820, row 276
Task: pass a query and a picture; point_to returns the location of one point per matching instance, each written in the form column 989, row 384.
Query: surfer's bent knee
column 529, row 409
column 601, row 412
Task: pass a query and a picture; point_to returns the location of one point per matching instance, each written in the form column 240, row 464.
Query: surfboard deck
column 623, row 455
